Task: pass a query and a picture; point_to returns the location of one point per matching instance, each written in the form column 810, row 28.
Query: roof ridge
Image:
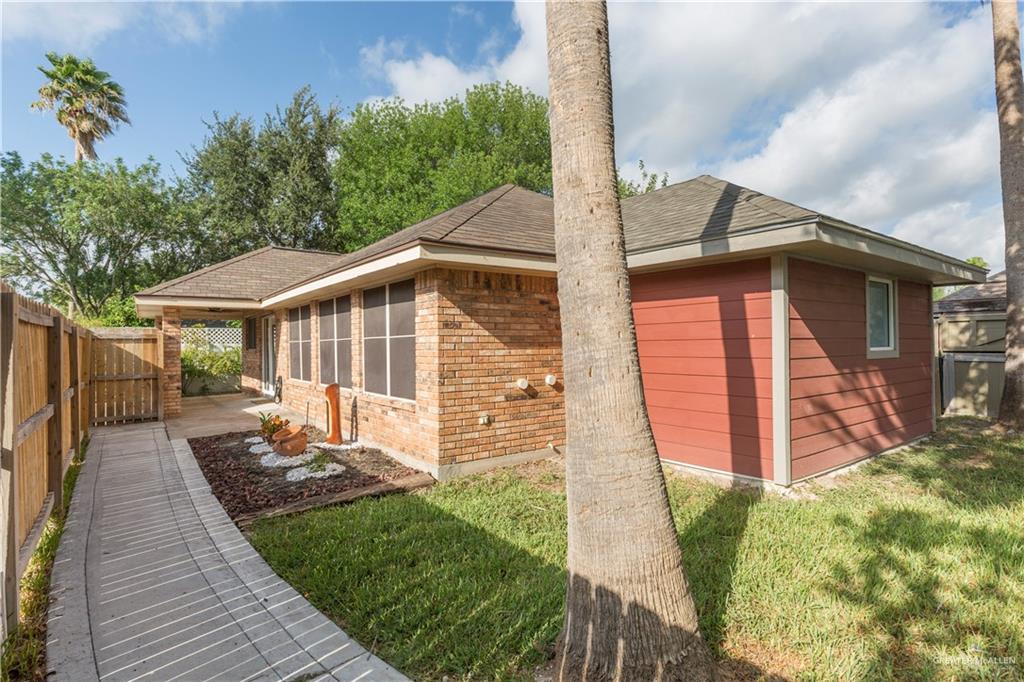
column 301, row 250
column 749, row 200
column 475, row 213
column 209, row 268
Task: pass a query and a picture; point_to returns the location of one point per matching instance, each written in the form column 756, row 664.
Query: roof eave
column 821, row 238
column 411, row 258
column 951, row 270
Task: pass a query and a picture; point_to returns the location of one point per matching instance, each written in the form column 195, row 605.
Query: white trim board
column 782, row 442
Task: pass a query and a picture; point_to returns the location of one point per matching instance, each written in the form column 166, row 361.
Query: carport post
column 170, row 337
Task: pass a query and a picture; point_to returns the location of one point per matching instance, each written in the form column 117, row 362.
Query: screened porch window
column 389, row 339
column 336, row 341
column 299, row 343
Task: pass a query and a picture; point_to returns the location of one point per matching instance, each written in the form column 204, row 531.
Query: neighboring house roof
column 987, row 297
column 250, row 276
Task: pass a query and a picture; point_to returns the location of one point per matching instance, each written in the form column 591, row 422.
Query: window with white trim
column 299, row 343
column 336, row 341
column 881, row 302
column 389, row 339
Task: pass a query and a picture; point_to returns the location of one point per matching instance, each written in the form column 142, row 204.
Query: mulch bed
column 245, row 487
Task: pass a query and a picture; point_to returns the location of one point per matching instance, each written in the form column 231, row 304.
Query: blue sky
column 877, row 113
column 250, row 59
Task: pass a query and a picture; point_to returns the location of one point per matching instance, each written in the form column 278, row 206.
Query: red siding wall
column 845, row 406
column 704, row 336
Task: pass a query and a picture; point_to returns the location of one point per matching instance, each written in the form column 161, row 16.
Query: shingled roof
column 512, row 219
column 700, row 209
column 989, row 296
column 250, row 276
column 508, row 218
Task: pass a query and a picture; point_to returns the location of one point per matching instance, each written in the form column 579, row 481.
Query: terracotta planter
column 286, row 433
column 289, row 447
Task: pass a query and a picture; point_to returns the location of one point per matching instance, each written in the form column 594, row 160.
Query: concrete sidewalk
column 153, row 581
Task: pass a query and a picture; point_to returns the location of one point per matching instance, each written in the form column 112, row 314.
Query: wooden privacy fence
column 970, row 354
column 44, row 372
column 56, row 380
column 126, row 367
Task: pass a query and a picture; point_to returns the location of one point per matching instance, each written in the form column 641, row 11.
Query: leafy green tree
column 88, row 103
column 253, row 185
column 398, row 164
column 117, row 311
column 648, row 182
column 79, row 235
column 941, row 292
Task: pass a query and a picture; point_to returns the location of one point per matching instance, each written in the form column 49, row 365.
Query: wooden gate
column 126, row 368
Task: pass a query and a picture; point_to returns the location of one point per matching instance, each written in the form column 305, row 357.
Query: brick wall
column 408, row 426
column 494, row 329
column 170, row 326
column 476, row 333
column 252, row 377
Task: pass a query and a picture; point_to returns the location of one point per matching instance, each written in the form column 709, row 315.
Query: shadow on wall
column 422, row 583
column 740, row 373
column 857, row 406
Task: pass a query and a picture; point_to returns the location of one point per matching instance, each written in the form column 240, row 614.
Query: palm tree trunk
column 629, row 613
column 85, row 148
column 1010, row 106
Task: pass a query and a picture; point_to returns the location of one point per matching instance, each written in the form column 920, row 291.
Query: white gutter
column 858, row 239
column 189, row 302
column 771, row 237
column 393, row 260
column 420, row 254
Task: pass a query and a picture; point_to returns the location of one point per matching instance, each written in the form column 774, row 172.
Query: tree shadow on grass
column 430, row 592
column 934, row 589
column 964, row 463
column 710, row 545
column 473, row 585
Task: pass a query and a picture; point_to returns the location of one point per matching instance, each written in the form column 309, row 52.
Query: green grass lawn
column 911, row 567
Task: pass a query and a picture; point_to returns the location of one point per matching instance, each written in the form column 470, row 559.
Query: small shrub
column 271, row 424
column 202, row 363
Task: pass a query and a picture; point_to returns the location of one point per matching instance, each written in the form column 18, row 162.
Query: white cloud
column 897, row 134
column 958, row 229
column 880, row 114
column 84, row 25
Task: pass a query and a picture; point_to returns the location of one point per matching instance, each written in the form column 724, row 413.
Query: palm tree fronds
column 88, row 103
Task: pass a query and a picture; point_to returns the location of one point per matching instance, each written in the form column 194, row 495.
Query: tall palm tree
column 88, row 103
column 1010, row 106
column 629, row 613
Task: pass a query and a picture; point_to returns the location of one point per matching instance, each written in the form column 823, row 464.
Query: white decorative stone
column 273, row 460
column 254, row 439
column 260, row 448
column 302, row 473
column 344, row 447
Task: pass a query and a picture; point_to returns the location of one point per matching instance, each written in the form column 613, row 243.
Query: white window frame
column 387, row 341
column 892, row 349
